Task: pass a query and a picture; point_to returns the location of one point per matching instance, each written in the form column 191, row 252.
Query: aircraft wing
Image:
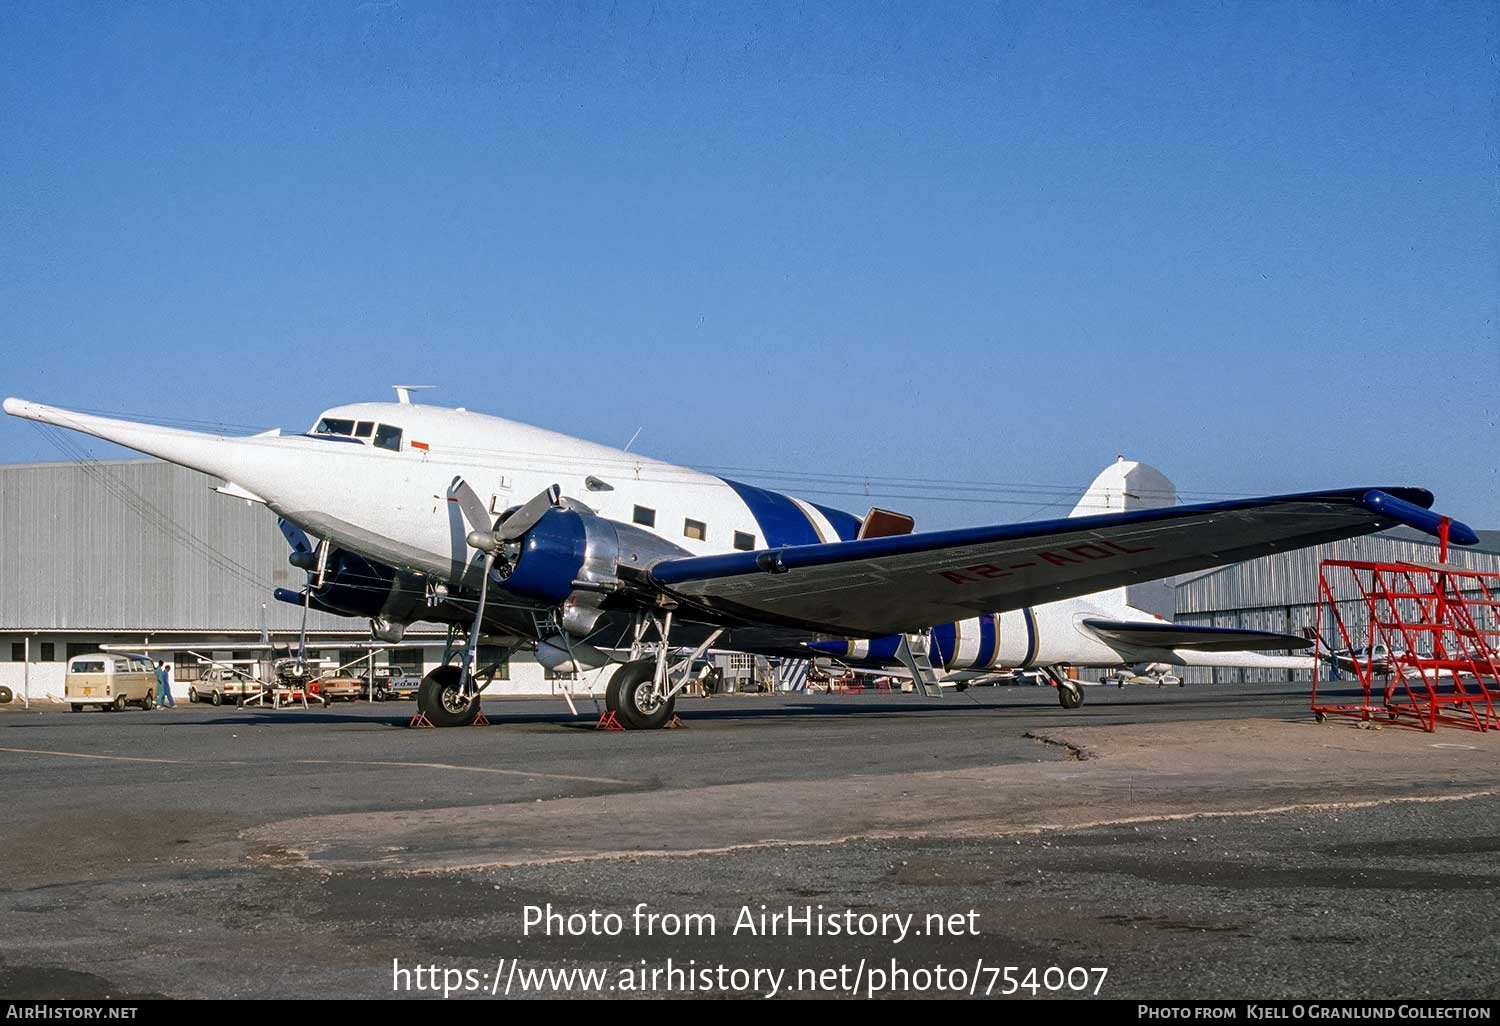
column 880, row 586
column 1140, row 634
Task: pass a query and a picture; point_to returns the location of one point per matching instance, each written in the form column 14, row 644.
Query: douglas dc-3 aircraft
column 531, row 537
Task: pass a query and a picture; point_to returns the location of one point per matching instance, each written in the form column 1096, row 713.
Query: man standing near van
column 164, row 686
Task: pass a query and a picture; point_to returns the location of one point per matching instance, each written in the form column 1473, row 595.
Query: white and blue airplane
column 533, row 538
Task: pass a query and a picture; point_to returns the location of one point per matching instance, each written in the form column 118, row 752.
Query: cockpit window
column 334, row 426
column 363, row 429
column 387, row 437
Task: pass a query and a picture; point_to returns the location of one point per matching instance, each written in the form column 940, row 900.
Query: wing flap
column 881, row 586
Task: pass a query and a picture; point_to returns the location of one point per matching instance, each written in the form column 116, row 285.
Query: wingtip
column 1405, row 506
column 1460, row 533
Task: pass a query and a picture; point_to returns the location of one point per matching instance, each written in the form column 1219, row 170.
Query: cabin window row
column 694, row 529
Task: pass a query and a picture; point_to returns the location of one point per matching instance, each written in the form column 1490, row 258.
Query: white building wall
column 526, row 677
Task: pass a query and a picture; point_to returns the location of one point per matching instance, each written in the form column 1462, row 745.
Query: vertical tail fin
column 1126, row 485
column 1123, row 486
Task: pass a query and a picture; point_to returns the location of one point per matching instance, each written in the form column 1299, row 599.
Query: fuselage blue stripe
column 945, row 644
column 884, row 648
column 846, row 524
column 1029, row 618
column 780, row 521
column 986, row 641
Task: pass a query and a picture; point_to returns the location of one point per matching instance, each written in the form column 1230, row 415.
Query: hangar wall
column 127, row 551
column 1280, row 593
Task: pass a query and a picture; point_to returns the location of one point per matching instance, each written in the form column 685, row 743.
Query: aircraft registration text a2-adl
column 525, row 537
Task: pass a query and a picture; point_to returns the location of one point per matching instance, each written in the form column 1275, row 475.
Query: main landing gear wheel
column 612, row 690
column 440, row 700
column 1069, row 695
column 636, row 702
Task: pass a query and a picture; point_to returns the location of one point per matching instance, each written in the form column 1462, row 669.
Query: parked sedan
column 222, row 683
column 337, row 687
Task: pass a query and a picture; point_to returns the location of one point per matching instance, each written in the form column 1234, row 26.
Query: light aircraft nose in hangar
column 400, row 512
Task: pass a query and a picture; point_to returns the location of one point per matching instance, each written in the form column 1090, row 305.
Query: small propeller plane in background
column 402, row 513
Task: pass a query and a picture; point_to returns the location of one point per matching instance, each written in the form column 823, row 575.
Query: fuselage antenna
column 403, row 392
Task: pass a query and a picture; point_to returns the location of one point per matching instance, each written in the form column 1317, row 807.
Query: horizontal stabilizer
column 883, row 523
column 1141, row 634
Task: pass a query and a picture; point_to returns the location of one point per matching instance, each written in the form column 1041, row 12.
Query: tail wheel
column 441, row 701
column 638, row 705
column 1069, row 695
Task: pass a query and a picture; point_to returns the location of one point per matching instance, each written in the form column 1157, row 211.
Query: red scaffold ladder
column 1422, row 638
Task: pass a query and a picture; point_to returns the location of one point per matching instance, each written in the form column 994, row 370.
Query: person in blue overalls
column 164, row 686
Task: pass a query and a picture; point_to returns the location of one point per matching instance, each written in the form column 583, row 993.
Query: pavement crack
column 1080, row 752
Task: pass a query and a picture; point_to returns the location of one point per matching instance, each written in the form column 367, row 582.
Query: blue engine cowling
column 551, row 557
column 568, row 545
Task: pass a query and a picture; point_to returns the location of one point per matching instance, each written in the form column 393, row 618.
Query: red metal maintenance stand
column 1423, row 639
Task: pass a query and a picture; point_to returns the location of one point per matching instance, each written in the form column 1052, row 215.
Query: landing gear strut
column 642, row 693
column 1069, row 694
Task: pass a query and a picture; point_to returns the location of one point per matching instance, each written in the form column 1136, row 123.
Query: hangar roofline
column 53, row 464
column 1489, row 543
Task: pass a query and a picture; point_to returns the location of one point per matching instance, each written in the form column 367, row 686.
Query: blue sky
column 1256, row 245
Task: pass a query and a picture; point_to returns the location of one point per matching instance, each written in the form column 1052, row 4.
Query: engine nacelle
column 355, row 586
column 568, row 545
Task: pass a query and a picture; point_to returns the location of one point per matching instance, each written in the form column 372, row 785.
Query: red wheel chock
column 609, row 721
column 420, row 720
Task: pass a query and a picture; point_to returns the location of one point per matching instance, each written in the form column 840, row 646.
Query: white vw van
column 109, row 681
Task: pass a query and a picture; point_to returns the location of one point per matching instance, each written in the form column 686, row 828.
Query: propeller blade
column 525, row 518
column 474, row 511
column 294, row 535
column 302, row 634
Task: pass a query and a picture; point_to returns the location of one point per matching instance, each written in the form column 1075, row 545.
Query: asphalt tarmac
column 1193, row 842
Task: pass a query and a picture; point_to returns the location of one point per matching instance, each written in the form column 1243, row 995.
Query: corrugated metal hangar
column 128, row 551
column 1280, row 593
